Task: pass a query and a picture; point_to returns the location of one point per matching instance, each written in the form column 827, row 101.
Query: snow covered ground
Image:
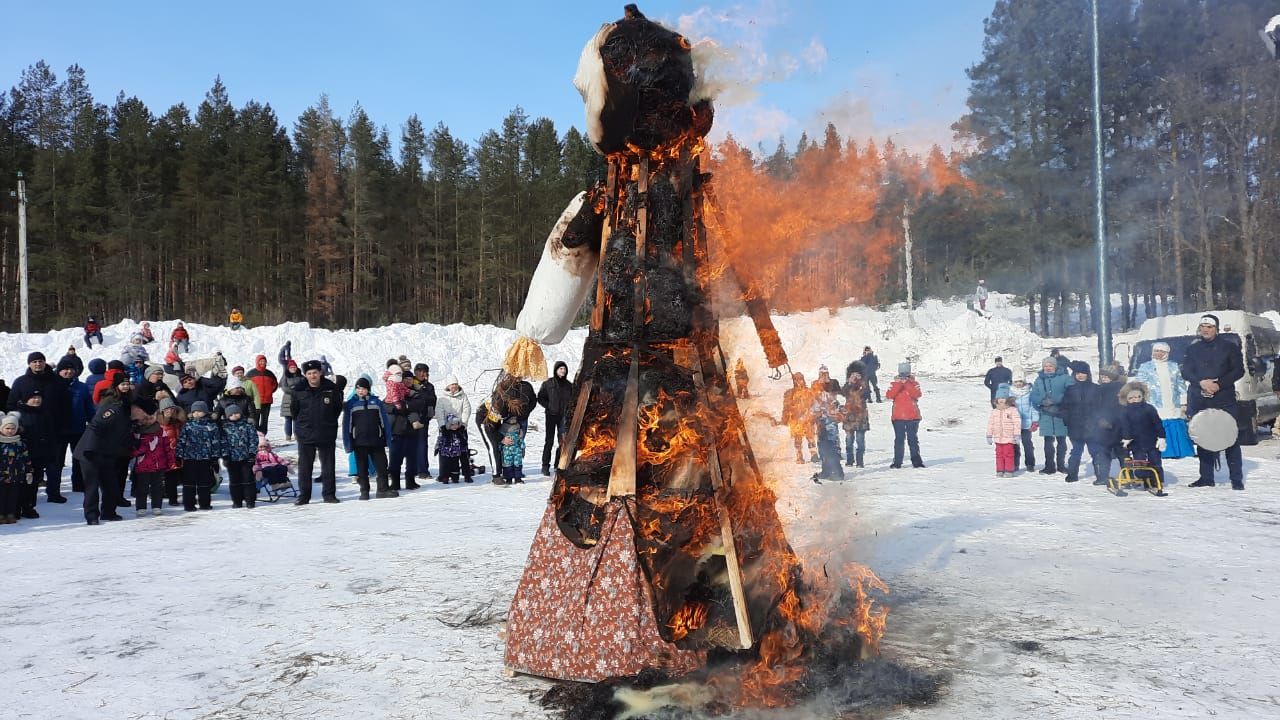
column 1041, row 599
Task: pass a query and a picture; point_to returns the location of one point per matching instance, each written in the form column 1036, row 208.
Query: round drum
column 1213, row 429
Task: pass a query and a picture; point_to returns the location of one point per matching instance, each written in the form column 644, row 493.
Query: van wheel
column 1249, row 426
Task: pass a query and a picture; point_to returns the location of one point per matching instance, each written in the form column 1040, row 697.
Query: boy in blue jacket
column 366, row 431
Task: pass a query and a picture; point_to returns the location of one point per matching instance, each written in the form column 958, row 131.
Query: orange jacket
column 263, row 379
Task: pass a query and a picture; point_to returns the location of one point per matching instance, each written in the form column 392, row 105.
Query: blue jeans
column 1099, row 456
column 855, row 440
column 288, row 427
column 906, row 430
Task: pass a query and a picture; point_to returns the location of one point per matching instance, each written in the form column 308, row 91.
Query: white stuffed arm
column 561, row 281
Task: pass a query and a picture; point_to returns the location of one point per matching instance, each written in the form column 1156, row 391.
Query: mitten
column 1035, row 426
column 1160, row 444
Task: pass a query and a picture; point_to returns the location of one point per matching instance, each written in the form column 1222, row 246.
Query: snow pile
column 1273, row 316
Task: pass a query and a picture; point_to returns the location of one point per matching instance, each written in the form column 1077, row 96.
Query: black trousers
column 1028, row 448
column 9, row 499
column 555, row 435
column 197, row 483
column 366, row 456
column 494, row 435
column 908, row 430
column 244, row 490
column 172, row 481
column 1235, row 467
column 77, row 475
column 1055, row 460
column 101, row 486
column 307, row 454
column 264, row 412
column 148, row 485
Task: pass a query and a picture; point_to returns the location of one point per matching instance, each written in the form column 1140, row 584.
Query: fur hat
column 34, row 356
column 310, row 365
column 200, row 406
column 12, row 418
column 1080, row 366
column 1132, row 386
column 1111, row 370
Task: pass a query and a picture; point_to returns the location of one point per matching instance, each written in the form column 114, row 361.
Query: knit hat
column 234, row 383
column 1050, row 360
column 904, row 369
column 153, row 369
column 238, row 367
column 97, row 366
column 452, row 380
column 232, row 409
column 291, row 365
column 200, row 406
column 1003, row 391
column 363, row 382
column 65, row 363
column 12, row 418
column 166, row 403
column 115, row 365
column 34, row 356
column 421, row 367
column 310, row 365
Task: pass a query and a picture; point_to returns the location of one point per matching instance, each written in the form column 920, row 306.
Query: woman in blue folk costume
column 1169, row 395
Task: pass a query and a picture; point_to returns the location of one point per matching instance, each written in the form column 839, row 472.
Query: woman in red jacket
column 904, row 392
column 266, row 384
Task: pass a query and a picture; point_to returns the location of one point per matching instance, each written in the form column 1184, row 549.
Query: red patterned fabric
column 586, row 615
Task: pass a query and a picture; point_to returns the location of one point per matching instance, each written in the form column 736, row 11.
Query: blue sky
column 875, row 68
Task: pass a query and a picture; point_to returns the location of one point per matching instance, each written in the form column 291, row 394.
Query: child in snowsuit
column 269, row 466
column 180, row 339
column 451, row 446
column 239, row 447
column 15, row 468
column 396, row 391
column 512, row 451
column 171, row 418
column 199, row 447
column 1141, row 429
column 155, row 458
column 795, row 415
column 1004, row 430
column 1021, row 395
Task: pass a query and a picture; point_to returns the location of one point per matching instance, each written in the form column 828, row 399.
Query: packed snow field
column 1038, row 598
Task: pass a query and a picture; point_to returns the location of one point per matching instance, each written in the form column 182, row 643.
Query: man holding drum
column 1212, row 366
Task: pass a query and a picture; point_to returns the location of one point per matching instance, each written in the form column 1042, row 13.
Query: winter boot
column 395, row 482
column 384, row 491
column 859, row 458
column 364, row 488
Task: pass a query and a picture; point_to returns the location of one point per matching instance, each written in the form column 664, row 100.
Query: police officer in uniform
column 107, row 440
column 1212, row 366
column 315, row 404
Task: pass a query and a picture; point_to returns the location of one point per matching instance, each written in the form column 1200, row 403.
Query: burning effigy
column 660, row 549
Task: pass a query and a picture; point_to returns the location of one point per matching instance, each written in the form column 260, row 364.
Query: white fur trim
column 592, row 84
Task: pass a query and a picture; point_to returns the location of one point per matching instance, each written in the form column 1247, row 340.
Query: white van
column 1259, row 344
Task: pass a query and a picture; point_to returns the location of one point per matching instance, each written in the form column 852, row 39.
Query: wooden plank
column 610, row 206
column 622, row 475
column 567, row 449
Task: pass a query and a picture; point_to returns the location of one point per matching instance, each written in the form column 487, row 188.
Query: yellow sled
column 1137, row 473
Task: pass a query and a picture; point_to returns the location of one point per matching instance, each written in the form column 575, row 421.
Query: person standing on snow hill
column 235, row 319
column 871, row 365
column 145, row 332
column 554, row 397
column 1168, row 394
column 1046, row 397
column 92, row 330
column 740, row 379
column 905, row 394
column 981, row 295
column 1212, row 366
column 316, row 405
column 180, row 339
column 997, row 376
column 1004, row 430
column 1021, row 393
column 264, row 381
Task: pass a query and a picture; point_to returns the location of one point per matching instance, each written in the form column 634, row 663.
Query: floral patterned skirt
column 587, row 615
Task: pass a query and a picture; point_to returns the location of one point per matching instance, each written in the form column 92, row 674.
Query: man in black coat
column 554, row 397
column 316, row 406
column 1079, row 410
column 1212, row 366
column 204, row 389
column 107, row 441
column 422, row 385
column 997, row 376
column 871, row 364
column 55, row 407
